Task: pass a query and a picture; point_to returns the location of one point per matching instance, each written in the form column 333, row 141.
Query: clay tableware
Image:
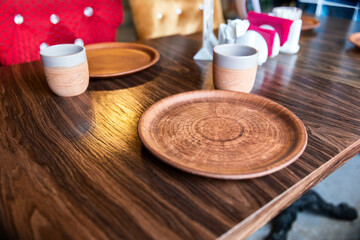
column 222, row 134
column 355, row 39
column 234, row 67
column 309, row 23
column 118, row 58
column 66, row 69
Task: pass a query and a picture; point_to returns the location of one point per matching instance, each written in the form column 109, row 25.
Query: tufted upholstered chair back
column 27, row 25
column 158, row 18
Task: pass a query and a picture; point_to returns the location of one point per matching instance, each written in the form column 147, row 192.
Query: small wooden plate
column 355, row 39
column 222, row 134
column 309, row 23
column 117, row 58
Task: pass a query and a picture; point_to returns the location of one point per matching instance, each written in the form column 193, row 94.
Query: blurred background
column 335, row 8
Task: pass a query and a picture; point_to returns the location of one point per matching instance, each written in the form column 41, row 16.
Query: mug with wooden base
column 66, row 69
column 234, row 67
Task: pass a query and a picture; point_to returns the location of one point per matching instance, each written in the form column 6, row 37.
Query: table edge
column 264, row 214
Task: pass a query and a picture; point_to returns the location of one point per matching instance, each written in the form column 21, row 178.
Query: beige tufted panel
column 158, row 18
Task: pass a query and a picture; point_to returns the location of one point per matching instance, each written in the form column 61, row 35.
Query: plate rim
column 350, row 38
column 295, row 154
column 310, row 27
column 94, row 46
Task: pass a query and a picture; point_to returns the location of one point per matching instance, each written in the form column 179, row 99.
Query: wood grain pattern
column 74, row 168
column 118, row 59
column 241, row 80
column 68, row 81
column 223, row 134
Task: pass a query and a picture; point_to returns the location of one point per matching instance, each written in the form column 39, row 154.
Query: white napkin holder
column 291, row 46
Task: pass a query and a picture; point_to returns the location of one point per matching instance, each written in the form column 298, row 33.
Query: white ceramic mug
column 234, row 67
column 66, row 69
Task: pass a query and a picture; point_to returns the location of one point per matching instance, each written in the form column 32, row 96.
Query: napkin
column 281, row 25
column 228, row 33
column 291, row 13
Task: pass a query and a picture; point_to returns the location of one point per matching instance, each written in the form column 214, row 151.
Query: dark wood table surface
column 74, row 168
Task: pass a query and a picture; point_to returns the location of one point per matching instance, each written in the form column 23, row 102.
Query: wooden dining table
column 75, row 168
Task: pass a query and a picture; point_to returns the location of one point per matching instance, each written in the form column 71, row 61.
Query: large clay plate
column 118, row 58
column 309, row 23
column 355, row 39
column 222, row 134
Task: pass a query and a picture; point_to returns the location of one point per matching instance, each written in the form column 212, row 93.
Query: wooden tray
column 222, row 134
column 118, row 59
column 309, row 23
column 355, row 39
